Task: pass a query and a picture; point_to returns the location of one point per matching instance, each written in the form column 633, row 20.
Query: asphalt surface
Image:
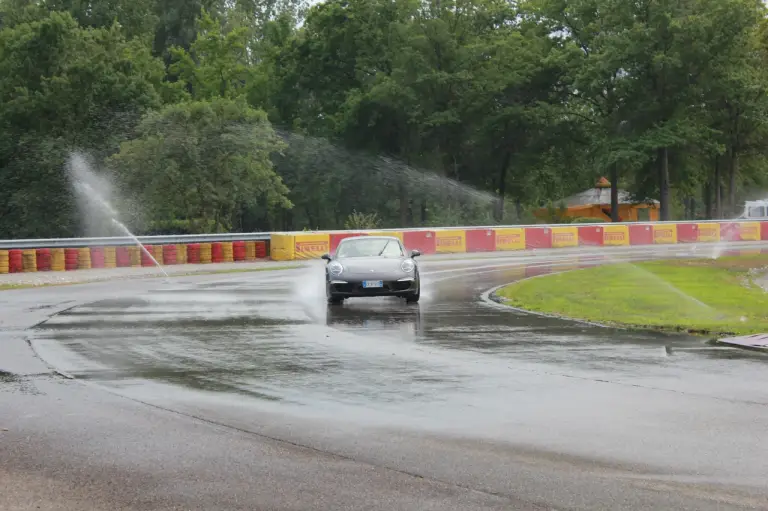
column 246, row 391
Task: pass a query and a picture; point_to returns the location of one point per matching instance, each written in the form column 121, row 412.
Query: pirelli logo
column 508, row 239
column 311, row 246
column 563, row 237
column 664, row 234
column 449, row 241
column 708, row 232
column 614, row 236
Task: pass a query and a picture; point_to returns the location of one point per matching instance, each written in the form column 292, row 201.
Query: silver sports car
column 372, row 266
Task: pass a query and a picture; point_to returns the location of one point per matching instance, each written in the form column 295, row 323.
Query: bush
column 360, row 221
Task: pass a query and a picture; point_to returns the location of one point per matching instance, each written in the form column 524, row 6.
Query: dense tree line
column 273, row 114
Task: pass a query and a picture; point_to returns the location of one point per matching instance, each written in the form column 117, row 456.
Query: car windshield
column 374, row 247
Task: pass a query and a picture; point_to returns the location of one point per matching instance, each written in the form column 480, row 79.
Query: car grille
column 358, row 287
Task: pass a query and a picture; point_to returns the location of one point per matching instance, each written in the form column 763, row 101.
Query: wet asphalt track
column 265, row 398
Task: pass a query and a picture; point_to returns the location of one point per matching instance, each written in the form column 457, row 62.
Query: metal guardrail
column 263, row 236
column 127, row 240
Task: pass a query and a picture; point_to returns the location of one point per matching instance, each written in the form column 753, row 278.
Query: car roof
column 364, row 237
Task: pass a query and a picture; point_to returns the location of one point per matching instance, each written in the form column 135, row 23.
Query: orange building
column 596, row 203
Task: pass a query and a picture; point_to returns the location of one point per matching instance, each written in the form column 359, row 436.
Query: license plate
column 372, row 283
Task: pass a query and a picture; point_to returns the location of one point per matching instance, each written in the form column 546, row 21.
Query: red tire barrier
column 591, row 235
column 261, row 250
column 481, row 240
column 193, row 253
column 169, row 254
column 123, row 257
column 538, row 237
column 687, row 233
column 43, row 259
column 423, row 241
column 71, row 258
column 97, row 257
column 238, row 251
column 15, row 261
column 146, row 260
column 217, row 252
column 640, row 235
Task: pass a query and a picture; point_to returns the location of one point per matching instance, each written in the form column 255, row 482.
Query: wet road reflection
column 454, row 360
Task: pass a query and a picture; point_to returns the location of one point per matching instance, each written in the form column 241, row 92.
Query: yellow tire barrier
column 4, row 262
column 58, row 260
column 84, row 258
column 227, row 252
column 250, row 250
column 29, row 261
column 135, row 255
column 205, row 253
column 157, row 253
column 181, row 254
column 110, row 257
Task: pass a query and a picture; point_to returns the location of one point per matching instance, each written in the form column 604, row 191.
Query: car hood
column 362, row 265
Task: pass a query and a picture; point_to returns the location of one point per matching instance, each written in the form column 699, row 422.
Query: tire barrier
column 123, row 257
column 84, row 258
column 193, row 253
column 144, row 253
column 238, row 251
column 58, row 260
column 157, row 253
column 217, row 252
column 70, row 259
column 181, row 254
column 311, row 245
column 169, row 254
column 135, row 254
column 227, row 252
column 97, row 257
column 29, row 260
column 43, row 259
column 4, row 262
column 110, row 257
column 261, row 251
column 205, row 253
column 250, row 250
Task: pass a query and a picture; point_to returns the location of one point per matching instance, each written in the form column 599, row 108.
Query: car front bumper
column 354, row 287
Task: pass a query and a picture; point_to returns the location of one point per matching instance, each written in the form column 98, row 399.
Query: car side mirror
column 415, row 253
column 326, row 257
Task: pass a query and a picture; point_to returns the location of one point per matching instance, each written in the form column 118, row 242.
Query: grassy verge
column 699, row 296
column 27, row 285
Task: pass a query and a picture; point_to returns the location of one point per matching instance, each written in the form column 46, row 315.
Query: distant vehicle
column 756, row 210
column 372, row 266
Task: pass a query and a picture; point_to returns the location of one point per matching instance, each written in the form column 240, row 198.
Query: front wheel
column 414, row 298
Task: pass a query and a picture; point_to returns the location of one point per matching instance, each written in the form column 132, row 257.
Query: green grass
column 699, row 296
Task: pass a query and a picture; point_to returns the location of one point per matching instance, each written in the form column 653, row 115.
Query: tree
column 202, row 162
column 63, row 88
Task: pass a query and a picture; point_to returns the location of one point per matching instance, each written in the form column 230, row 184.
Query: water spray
column 80, row 174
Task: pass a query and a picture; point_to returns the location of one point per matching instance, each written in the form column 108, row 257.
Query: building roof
column 601, row 195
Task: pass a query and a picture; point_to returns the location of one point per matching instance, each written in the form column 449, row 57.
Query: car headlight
column 408, row 266
column 335, row 268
